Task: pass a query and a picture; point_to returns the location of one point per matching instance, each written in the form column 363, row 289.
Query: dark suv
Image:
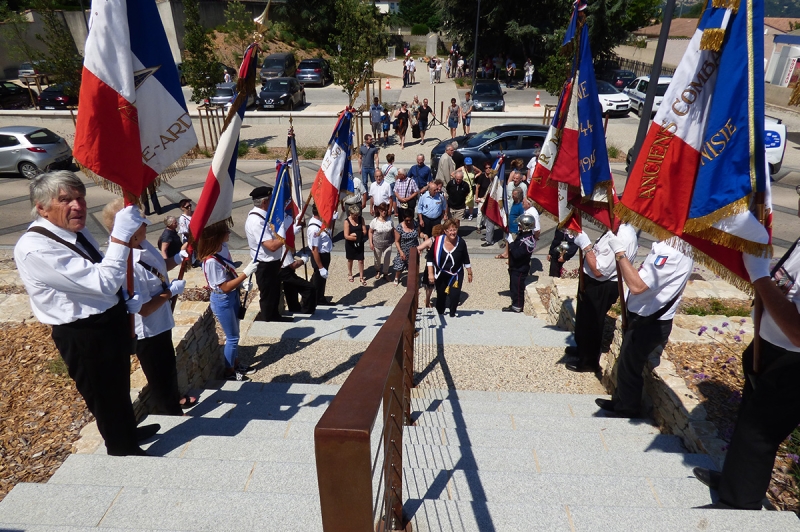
column 517, row 141
column 314, row 71
column 278, row 66
column 487, row 95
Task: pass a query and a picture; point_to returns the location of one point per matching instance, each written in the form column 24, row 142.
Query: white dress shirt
column 63, row 286
column 380, row 193
column 769, row 329
column 317, row 238
column 217, row 272
column 665, row 271
column 604, row 256
column 253, row 227
column 148, row 286
column 183, row 226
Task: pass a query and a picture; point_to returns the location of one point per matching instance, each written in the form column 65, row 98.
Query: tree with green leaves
column 420, row 12
column 13, row 34
column 64, row 65
column 312, row 19
column 200, row 66
column 239, row 28
column 359, row 39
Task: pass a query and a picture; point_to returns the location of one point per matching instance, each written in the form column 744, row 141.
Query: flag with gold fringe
column 701, row 172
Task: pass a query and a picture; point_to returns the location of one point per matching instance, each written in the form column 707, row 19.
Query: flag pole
column 655, row 72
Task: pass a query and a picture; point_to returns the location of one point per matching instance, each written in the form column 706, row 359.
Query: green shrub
column 715, row 307
column 312, row 44
column 287, row 36
column 613, row 152
column 263, row 149
column 463, row 82
column 243, row 149
column 310, row 153
column 302, row 43
column 419, row 29
column 57, row 366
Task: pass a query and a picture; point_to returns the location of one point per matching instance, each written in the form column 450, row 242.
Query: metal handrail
column 342, row 435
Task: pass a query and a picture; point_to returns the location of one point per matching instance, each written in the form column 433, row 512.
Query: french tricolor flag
column 216, row 199
column 494, row 206
column 132, row 117
column 328, row 183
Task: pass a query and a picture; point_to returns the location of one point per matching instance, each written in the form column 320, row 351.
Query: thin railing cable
column 381, row 449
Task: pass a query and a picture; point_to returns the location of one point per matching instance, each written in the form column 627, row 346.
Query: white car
column 612, row 101
column 637, row 91
column 774, row 142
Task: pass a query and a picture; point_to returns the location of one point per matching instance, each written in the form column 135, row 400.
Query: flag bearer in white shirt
column 320, row 242
column 654, row 294
column 78, row 291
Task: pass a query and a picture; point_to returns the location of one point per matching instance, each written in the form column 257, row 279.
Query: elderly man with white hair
column 79, row 292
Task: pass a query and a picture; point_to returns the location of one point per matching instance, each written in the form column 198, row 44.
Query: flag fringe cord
column 739, row 206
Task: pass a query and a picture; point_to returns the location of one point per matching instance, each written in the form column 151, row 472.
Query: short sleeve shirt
column 317, row 237
column 218, row 271
column 606, row 261
column 665, row 271
column 790, row 271
column 380, row 193
column 466, row 107
column 375, row 112
column 254, row 227
column 148, row 285
column 368, row 155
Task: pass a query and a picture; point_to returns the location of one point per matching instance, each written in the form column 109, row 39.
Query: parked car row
column 276, row 94
column 32, row 150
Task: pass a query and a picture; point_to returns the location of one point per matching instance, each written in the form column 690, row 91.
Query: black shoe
column 282, row 319
column 609, row 407
column 579, row 367
column 486, row 244
column 147, row 431
column 708, row 477
column 512, row 309
column 326, row 304
column 571, row 351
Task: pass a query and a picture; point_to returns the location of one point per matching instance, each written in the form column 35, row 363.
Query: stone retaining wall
column 197, row 350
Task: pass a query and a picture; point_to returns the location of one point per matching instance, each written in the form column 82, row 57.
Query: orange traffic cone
column 387, row 87
column 537, row 103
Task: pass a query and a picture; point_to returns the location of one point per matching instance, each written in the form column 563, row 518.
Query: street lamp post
column 475, row 50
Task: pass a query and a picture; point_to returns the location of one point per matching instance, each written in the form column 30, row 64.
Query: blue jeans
column 367, row 176
column 226, row 308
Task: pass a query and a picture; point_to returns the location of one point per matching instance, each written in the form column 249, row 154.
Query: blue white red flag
column 216, row 199
column 133, row 125
column 701, row 171
column 281, row 209
column 494, row 206
column 297, row 179
column 334, row 170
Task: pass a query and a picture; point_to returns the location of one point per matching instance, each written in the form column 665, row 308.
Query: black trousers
column 294, row 286
column 517, row 285
column 317, row 280
column 269, row 285
column 590, row 317
column 555, row 266
column 639, row 342
column 769, row 412
column 97, row 352
column 455, row 292
column 157, row 357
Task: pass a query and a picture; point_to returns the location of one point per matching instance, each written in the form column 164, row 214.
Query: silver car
column 224, row 96
column 32, row 150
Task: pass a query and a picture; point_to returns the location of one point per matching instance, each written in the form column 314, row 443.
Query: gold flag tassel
column 712, row 39
column 733, row 5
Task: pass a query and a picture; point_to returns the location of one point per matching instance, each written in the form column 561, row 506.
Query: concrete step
column 589, row 441
column 472, row 421
column 554, row 461
column 460, row 516
column 206, row 474
column 502, row 396
column 544, row 407
column 141, row 508
column 526, row 487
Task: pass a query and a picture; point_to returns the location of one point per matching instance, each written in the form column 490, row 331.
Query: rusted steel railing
column 378, row 389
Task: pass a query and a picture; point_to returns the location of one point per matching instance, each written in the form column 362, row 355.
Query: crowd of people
column 84, row 296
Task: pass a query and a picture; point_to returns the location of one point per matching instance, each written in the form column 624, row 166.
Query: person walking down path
column 432, row 69
column 354, row 231
column 368, row 160
column 425, row 246
column 381, row 240
column 447, row 260
column 466, row 112
column 375, row 113
column 406, row 236
column 529, row 70
column 424, row 116
column 321, row 244
column 431, row 207
column 402, row 118
column 453, row 117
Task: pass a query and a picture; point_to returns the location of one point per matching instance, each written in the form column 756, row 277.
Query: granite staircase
column 243, row 458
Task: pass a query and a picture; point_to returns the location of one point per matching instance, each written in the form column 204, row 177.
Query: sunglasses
column 797, row 189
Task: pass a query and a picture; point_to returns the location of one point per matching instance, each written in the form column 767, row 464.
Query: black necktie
column 89, row 248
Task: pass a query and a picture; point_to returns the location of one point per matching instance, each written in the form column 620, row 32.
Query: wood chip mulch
column 42, row 413
column 714, row 373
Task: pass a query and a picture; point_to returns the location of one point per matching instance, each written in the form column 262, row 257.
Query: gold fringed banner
column 712, row 234
column 733, row 5
column 636, row 219
column 712, row 39
column 693, row 225
column 701, row 258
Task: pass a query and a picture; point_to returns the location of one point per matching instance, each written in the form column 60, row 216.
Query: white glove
column 134, row 304
column 250, row 269
column 616, row 244
column 304, row 258
column 323, row 272
column 582, row 240
column 247, row 286
column 757, row 267
column 297, row 229
column 336, row 215
column 176, row 287
column 180, row 257
column 126, row 223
